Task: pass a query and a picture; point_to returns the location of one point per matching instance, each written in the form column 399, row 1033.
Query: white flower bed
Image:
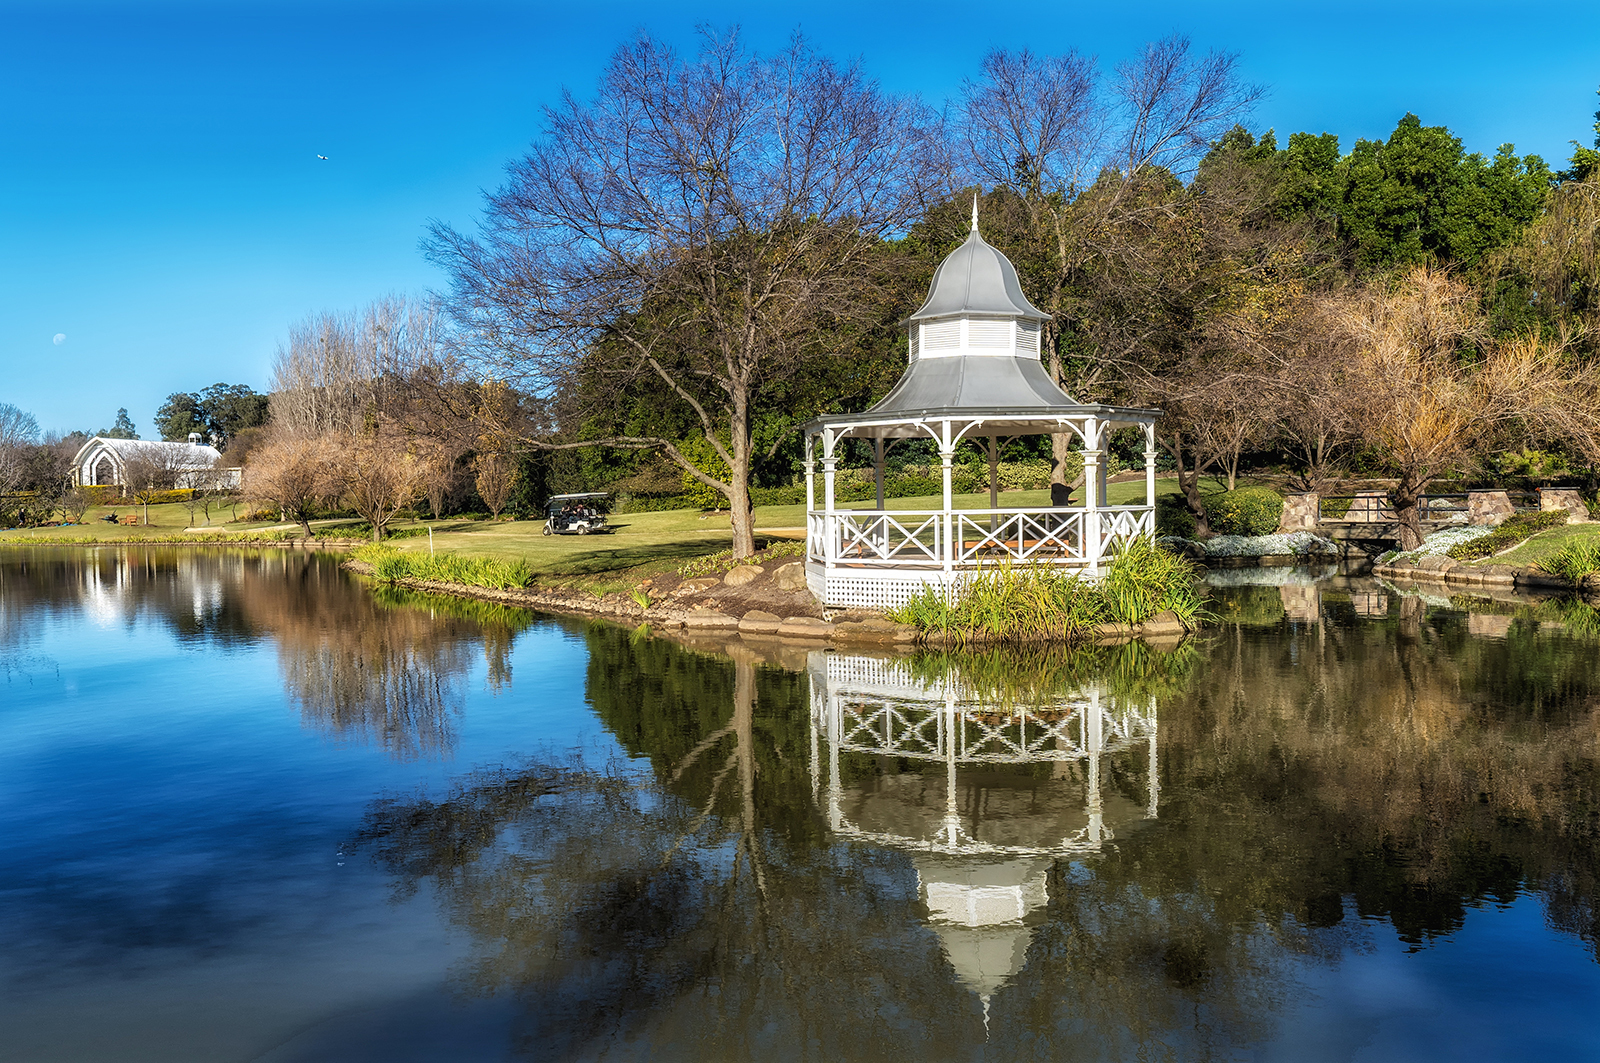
column 1298, row 543
column 1439, row 543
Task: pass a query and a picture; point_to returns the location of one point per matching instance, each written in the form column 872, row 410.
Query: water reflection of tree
column 1391, row 768
column 702, row 922
column 1402, row 764
column 385, row 666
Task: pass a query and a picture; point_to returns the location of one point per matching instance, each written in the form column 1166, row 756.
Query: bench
column 130, row 520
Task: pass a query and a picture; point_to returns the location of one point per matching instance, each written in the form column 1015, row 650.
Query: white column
column 830, row 520
column 946, row 455
column 1091, row 497
column 1150, row 473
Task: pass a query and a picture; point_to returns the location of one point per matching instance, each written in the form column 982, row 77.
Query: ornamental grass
column 391, row 566
column 1574, row 562
column 1036, row 603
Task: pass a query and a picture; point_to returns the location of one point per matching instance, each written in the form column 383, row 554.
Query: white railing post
column 946, row 457
column 831, row 543
column 1091, row 511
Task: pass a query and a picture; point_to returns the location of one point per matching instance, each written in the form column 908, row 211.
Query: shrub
column 1173, row 516
column 1574, row 562
column 1515, row 529
column 1247, row 511
column 723, row 560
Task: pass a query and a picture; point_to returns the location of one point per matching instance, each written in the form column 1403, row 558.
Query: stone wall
column 1300, row 512
column 1567, row 498
column 1488, row 507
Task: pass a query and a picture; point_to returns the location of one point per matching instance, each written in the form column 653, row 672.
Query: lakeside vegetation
column 1036, row 603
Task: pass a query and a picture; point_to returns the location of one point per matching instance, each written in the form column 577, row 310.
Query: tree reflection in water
column 807, row 874
column 377, row 665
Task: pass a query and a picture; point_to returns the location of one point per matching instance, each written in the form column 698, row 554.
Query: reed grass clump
column 1038, row 603
column 391, row 566
column 1574, row 562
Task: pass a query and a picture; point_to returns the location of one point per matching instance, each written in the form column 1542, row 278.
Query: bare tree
column 693, row 225
column 150, row 468
column 1047, row 130
column 495, row 476
column 1437, row 392
column 378, row 474
column 339, row 371
column 18, row 433
column 294, row 474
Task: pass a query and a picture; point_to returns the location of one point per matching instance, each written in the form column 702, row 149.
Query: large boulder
column 790, row 577
column 743, row 574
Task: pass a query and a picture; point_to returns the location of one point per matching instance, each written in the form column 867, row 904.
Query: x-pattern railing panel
column 1052, row 733
column 884, row 538
column 1019, row 535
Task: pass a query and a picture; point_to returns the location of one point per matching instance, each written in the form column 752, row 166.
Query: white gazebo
column 974, row 373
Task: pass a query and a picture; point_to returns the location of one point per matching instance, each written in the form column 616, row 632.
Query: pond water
column 254, row 809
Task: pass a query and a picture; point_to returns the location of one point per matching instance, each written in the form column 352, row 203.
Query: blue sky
column 163, row 208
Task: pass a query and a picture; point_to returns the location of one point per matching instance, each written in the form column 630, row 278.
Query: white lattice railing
column 880, row 538
column 994, row 534
column 979, row 734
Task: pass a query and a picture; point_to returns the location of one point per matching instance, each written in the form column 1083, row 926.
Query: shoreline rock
column 848, row 627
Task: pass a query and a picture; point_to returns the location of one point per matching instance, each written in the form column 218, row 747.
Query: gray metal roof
column 1001, row 390
column 1004, row 391
column 977, row 279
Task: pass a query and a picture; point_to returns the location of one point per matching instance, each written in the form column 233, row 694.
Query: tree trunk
column 1060, row 442
column 1407, row 495
column 377, row 530
column 1189, row 484
column 305, row 525
column 741, row 517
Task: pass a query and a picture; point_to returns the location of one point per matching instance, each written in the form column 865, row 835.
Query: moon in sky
column 59, row 338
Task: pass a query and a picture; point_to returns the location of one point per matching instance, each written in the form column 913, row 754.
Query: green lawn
column 1542, row 544
column 641, row 543
column 165, row 520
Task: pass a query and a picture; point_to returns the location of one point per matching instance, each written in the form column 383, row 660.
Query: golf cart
column 576, row 514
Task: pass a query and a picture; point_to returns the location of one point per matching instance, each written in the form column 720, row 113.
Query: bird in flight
column 324, row 158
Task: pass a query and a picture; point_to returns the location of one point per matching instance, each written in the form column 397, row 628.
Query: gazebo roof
column 977, row 279
column 1006, row 388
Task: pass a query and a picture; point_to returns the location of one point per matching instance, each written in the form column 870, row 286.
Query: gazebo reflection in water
column 984, row 798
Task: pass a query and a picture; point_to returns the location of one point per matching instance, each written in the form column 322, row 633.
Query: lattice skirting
column 867, row 589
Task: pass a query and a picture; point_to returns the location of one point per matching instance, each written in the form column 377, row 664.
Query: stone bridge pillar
column 1488, row 507
column 1567, row 498
column 1300, row 512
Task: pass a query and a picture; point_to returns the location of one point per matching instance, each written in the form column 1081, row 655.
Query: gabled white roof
column 197, row 456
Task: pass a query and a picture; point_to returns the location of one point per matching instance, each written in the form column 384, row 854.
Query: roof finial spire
column 974, row 212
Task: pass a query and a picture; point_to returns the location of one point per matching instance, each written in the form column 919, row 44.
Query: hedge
column 1247, row 511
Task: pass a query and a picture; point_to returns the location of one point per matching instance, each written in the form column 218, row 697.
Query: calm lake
column 252, row 808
